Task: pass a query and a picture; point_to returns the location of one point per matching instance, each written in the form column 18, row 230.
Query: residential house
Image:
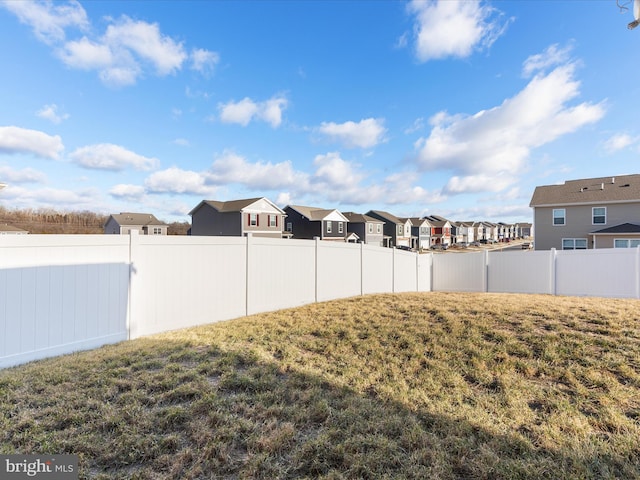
column 523, row 230
column 397, row 232
column 312, row 222
column 369, row 230
column 601, row 212
column 468, row 231
column 237, row 218
column 440, row 230
column 144, row 223
column 11, row 230
column 420, row 233
column 491, row 232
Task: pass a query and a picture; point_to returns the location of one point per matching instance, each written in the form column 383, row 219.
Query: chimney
column 613, row 180
column 602, row 186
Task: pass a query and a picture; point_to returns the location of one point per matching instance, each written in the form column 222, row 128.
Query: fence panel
column 179, row 282
column 377, row 269
column 610, row 272
column 281, row 274
column 463, row 272
column 520, row 272
column 405, row 271
column 61, row 293
column 338, row 270
column 425, row 263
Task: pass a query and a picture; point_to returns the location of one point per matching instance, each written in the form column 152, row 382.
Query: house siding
column 208, row 221
column 578, row 222
column 302, row 228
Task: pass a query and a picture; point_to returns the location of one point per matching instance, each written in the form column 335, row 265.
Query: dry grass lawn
column 435, row 385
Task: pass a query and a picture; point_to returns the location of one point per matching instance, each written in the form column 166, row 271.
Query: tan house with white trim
column 599, row 212
column 144, row 223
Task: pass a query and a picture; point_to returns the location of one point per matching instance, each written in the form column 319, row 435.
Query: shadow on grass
column 162, row 409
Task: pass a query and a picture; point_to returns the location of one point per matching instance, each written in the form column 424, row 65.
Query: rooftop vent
column 602, row 186
column 613, row 180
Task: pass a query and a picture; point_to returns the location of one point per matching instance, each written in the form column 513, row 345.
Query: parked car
column 526, row 246
column 439, row 246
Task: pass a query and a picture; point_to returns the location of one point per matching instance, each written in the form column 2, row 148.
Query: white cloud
column 245, row 110
column 127, row 192
column 26, row 175
column 145, row 40
column 22, row 140
column 106, row 156
column 182, row 142
column 50, row 112
column 283, row 199
column 177, row 180
column 619, row 141
column 454, row 28
column 496, row 143
column 334, row 172
column 204, row 61
column 49, row 19
column 87, row 55
column 233, row 168
column 54, row 198
column 478, row 183
column 366, row 133
column 551, row 57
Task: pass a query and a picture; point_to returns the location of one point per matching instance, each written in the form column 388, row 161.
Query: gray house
column 237, row 218
column 420, row 233
column 601, row 212
column 144, row 223
column 397, row 232
column 368, row 229
column 312, row 222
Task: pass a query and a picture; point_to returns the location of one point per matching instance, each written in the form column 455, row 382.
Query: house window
column 273, row 220
column 370, row 228
column 157, row 231
column 626, row 243
column 599, row 215
column 329, row 226
column 400, row 230
column 289, row 227
column 340, row 227
column 253, row 219
column 574, row 243
column 378, row 228
column 559, row 216
column 423, row 230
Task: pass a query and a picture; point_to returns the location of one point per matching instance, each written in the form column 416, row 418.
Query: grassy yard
column 435, row 385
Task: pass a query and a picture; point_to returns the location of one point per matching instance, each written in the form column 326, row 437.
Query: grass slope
column 418, row 386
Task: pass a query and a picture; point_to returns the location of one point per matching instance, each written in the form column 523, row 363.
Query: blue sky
column 453, row 108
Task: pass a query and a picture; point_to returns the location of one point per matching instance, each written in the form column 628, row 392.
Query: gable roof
column 622, row 228
column 317, row 214
column 129, row 218
column 361, row 218
column 623, row 188
column 234, row 205
column 386, row 216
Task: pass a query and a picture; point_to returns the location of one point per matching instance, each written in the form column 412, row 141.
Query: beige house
column 144, row 223
column 588, row 213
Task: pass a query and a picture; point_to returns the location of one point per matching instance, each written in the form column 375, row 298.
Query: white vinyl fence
column 63, row 293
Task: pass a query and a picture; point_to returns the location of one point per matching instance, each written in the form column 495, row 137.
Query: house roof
column 316, row 214
column 234, row 205
column 360, row 218
column 416, row 222
column 622, row 188
column 622, row 228
column 386, row 216
column 129, row 218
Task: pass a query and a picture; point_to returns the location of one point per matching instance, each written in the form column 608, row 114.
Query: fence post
column 317, row 240
column 393, row 270
column 486, row 271
column 247, row 259
column 638, row 271
column 133, row 318
column 361, row 268
column 552, row 280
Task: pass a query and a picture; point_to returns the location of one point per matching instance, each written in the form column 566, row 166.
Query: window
column 423, row 230
column 157, row 231
column 329, row 226
column 599, row 215
column 340, row 227
column 253, row 219
column 574, row 243
column 626, row 243
column 559, row 216
column 371, row 228
column 378, row 228
column 400, row 230
column 273, row 220
column 289, row 227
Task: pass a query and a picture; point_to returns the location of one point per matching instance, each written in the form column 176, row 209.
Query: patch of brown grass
column 433, row 385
